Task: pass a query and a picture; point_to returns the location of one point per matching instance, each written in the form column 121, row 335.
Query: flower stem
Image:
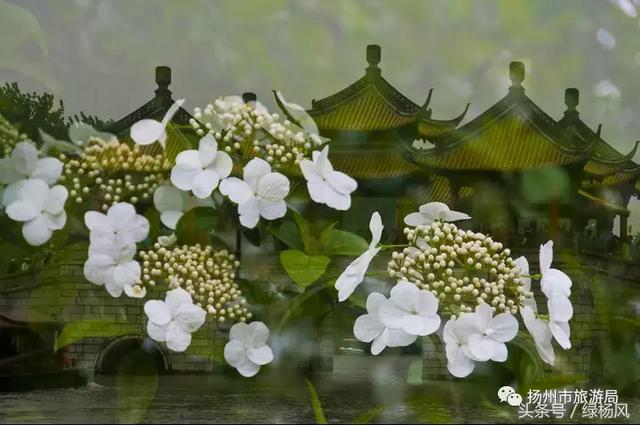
column 392, row 246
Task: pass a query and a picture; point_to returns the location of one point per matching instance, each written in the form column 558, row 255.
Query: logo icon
column 509, row 395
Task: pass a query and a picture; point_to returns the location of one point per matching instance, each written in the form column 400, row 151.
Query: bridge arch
column 135, row 352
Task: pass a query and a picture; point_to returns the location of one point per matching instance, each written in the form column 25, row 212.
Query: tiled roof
column 514, row 134
column 618, row 209
column 372, row 164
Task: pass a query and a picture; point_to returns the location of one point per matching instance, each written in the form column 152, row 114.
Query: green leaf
column 315, row 403
column 340, row 242
column 310, row 243
column 196, row 225
column 287, row 232
column 303, row 269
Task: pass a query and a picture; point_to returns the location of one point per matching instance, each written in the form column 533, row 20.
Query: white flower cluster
column 206, row 274
column 112, row 172
column 249, row 129
column 112, row 249
column 462, row 268
column 31, row 196
column 9, row 137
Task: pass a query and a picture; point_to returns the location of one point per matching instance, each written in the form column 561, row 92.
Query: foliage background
column 98, row 55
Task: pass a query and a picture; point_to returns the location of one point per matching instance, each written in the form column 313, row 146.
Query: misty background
column 99, row 56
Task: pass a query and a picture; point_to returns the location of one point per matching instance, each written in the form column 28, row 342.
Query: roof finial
column 249, row 97
column 163, row 79
column 571, row 98
column 516, row 73
column 373, row 55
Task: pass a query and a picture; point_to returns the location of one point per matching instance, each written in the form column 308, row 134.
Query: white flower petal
column 375, row 225
column 177, row 340
column 189, row 317
column 145, row 132
column 298, row 113
column 37, row 231
column 379, row 343
column 24, row 158
column 272, row 210
column 433, row 210
column 367, row 327
column 416, row 219
column 113, row 289
column 237, row 190
column 458, row 364
column 504, row 326
column 55, row 199
column 426, row 303
column 171, row 218
column 23, row 211
column 336, row 200
column 482, row 348
column 135, row 291
column 374, row 301
column 546, row 256
column 341, row 182
column 405, row 295
column 157, row 332
column 175, row 299
column 240, row 332
column 555, row 282
column 204, row 183
column 207, row 149
column 182, row 175
column 223, row 164
column 260, row 355
column 48, row 170
column 560, row 308
column 249, row 213
column 248, row 369
column 523, row 266
column 500, row 353
column 273, row 187
column 98, row 268
column 126, row 273
column 453, row 216
column 168, row 198
column 310, row 171
column 259, row 334
column 399, row 338
column 561, row 333
column 254, row 171
column 157, row 312
column 234, row 353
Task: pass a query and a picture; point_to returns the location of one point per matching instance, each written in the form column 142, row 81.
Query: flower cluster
column 112, row 249
column 31, row 196
column 9, row 137
column 112, row 172
column 462, row 268
column 249, row 129
column 206, row 274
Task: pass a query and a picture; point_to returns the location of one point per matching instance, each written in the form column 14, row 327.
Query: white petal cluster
column 249, row 129
column 201, row 170
column 353, row 275
column 247, row 349
column 433, row 211
column 261, row 193
column 173, row 320
column 111, row 171
column 112, row 249
column 28, row 197
column 556, row 286
column 325, row 185
column 461, row 268
column 477, row 337
column 206, row 274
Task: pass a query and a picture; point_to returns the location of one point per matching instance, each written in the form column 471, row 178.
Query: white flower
column 113, row 266
column 174, row 319
column 352, row 276
column 413, row 310
column 147, row 131
column 486, row 334
column 456, row 343
column 523, row 266
column 135, row 291
column 172, row 203
column 261, row 193
column 369, row 328
column 24, row 164
column 201, row 170
column 40, row 208
column 431, row 212
column 119, row 226
column 325, row 185
column 247, row 350
column 167, row 240
column 553, row 281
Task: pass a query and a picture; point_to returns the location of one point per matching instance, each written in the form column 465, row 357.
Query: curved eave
column 618, row 209
column 429, row 127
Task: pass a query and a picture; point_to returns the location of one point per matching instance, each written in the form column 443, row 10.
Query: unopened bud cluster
column 462, row 268
column 112, row 172
column 250, row 130
column 9, row 137
column 208, row 275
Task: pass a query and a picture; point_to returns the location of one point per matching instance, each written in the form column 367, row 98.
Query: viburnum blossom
column 413, row 310
column 553, row 281
column 39, row 207
column 261, row 193
column 201, row 170
column 173, row 320
column 487, row 334
column 369, row 328
column 121, row 225
column 353, row 275
column 172, row 203
column 325, row 185
column 147, row 131
column 456, row 339
column 113, row 266
column 24, row 164
column 247, row 349
column 433, row 211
